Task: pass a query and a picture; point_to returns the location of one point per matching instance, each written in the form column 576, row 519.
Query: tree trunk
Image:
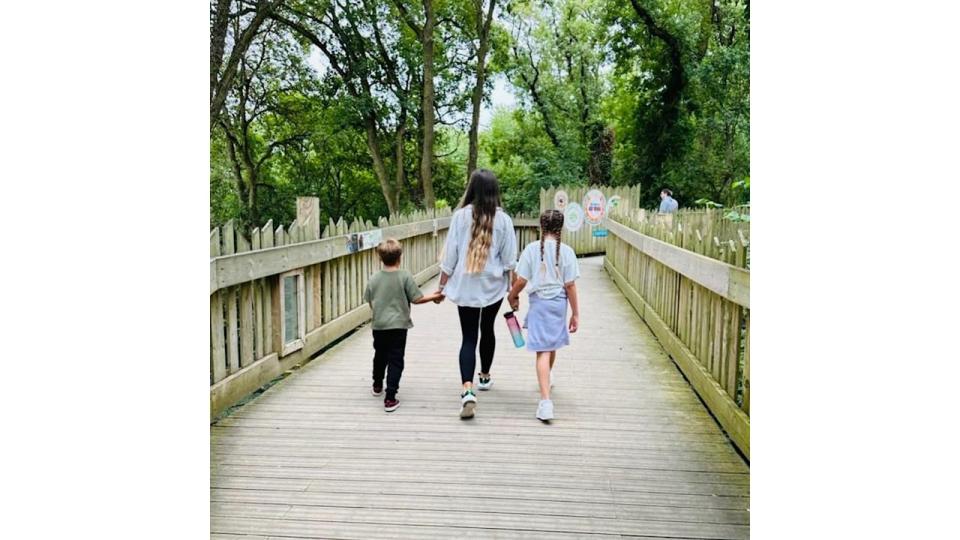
column 426, row 165
column 246, row 184
column 378, row 166
column 676, row 82
column 484, row 35
column 477, row 100
column 237, row 168
column 584, row 103
column 601, row 154
column 252, row 198
column 398, row 183
column 674, row 87
column 253, row 178
column 416, row 194
column 542, row 107
column 218, row 36
column 706, row 27
column 746, row 14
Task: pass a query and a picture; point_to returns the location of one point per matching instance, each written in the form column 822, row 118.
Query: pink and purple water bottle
column 514, row 326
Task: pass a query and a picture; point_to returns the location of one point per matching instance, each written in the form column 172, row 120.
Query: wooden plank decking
column 631, row 454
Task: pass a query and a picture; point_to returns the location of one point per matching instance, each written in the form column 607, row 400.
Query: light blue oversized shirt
column 546, row 278
column 668, row 205
column 482, row 288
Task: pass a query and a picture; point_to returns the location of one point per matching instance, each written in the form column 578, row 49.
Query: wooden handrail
column 239, row 268
column 728, row 281
column 229, row 270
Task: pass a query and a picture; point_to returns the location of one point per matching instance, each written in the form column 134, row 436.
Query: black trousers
column 389, row 347
column 472, row 320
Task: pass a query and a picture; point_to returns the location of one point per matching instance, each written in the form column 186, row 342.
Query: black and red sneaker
column 391, row 405
column 377, row 389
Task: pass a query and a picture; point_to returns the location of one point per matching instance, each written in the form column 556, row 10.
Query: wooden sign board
column 365, row 240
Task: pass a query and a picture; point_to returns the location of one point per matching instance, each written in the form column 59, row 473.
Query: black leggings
column 471, row 320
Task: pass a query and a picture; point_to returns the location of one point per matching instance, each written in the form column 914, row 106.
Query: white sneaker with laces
column 484, row 383
column 468, row 404
column 545, row 410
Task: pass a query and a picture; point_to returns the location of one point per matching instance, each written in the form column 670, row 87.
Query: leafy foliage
column 697, row 141
column 325, row 98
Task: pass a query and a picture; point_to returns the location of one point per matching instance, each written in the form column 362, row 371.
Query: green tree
column 555, row 62
column 374, row 105
column 680, row 96
column 264, row 112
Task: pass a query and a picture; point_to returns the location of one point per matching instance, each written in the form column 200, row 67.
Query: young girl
column 550, row 268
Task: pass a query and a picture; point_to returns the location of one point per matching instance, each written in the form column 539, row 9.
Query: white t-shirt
column 543, row 277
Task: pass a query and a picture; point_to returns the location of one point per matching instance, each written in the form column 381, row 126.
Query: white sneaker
column 468, row 404
column 545, row 410
column 484, row 384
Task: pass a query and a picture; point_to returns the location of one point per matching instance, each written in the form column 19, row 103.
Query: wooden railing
column 707, row 232
column 280, row 297
column 699, row 309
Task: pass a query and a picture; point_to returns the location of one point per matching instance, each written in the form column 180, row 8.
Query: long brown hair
column 483, row 192
column 551, row 222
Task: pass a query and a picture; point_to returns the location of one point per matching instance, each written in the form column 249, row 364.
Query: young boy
column 390, row 292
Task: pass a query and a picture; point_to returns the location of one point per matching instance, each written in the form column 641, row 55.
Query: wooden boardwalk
column 632, row 453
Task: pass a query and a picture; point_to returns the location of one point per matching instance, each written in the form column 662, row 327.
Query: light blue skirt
column 546, row 323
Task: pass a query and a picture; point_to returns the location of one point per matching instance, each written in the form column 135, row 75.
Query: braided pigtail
column 543, row 265
column 551, row 222
column 557, row 267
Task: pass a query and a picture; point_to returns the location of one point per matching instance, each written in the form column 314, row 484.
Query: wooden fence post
column 217, row 345
column 255, row 242
column 308, row 216
column 266, row 241
column 233, row 343
column 246, row 311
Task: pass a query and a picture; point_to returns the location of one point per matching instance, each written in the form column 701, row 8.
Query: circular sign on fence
column 573, row 217
column 594, row 206
column 560, row 200
column 612, row 204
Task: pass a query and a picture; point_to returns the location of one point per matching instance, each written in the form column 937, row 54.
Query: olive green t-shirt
column 390, row 294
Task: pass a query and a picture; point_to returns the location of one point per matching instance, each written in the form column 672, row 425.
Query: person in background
column 668, row 204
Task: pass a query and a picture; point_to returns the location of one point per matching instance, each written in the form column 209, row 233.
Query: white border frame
column 297, row 344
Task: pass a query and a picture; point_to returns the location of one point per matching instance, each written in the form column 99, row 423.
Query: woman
column 475, row 271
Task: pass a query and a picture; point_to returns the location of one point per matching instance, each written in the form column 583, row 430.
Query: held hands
column 574, row 323
column 438, row 296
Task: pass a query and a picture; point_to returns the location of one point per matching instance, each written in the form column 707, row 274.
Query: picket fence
column 279, row 295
